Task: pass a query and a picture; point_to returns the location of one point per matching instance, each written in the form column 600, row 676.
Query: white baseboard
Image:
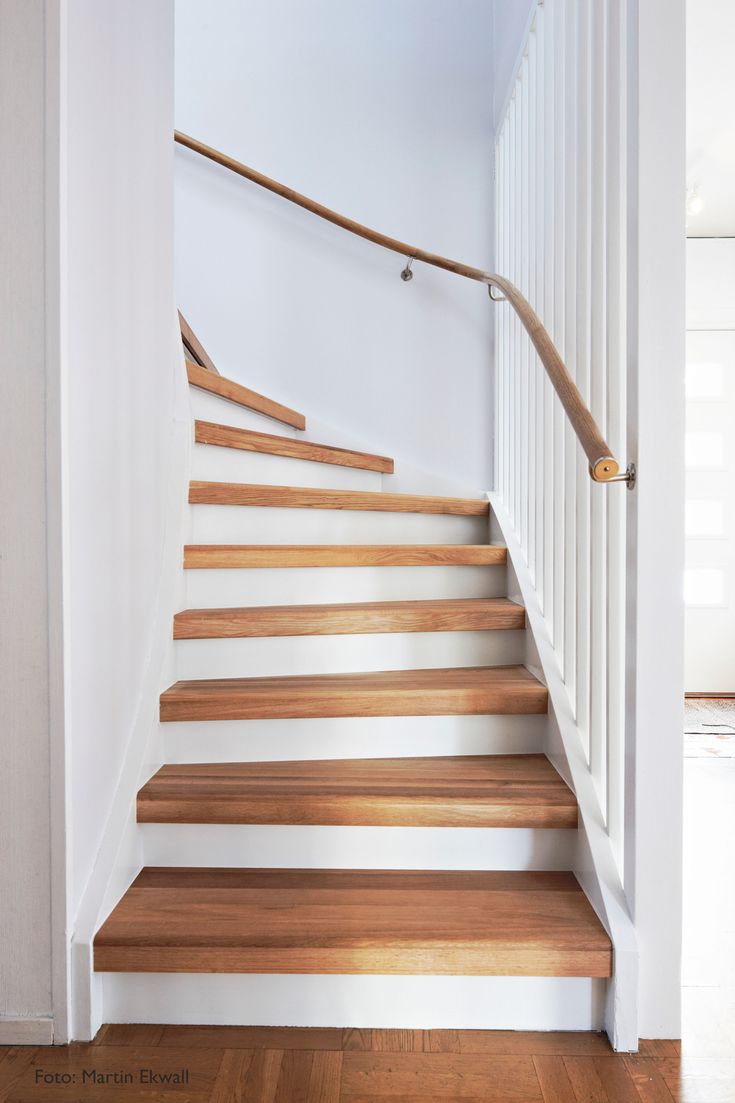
column 26, row 1032
column 391, row 1002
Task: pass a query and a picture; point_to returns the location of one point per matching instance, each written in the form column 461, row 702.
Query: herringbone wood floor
column 273, row 1065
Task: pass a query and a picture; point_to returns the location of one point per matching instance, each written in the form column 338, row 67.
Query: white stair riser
column 235, row 465
column 312, row 847
column 225, row 588
column 351, row 737
column 212, row 407
column 391, row 1002
column 230, row 524
column 240, row 658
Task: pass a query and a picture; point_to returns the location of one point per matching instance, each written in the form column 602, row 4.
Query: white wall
column 88, row 485
column 710, row 127
column 510, row 21
column 123, row 380
column 382, row 111
column 655, row 358
column 710, row 629
column 27, row 649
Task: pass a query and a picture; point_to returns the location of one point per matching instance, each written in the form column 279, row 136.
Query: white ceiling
column 711, row 115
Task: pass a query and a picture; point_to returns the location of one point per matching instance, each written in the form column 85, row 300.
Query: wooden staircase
column 182, row 918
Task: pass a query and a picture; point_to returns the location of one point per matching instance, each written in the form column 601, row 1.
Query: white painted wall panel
column 608, row 220
column 25, row 884
column 125, row 379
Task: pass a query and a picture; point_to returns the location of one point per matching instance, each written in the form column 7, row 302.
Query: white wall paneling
column 576, row 158
column 32, row 819
column 126, row 434
column 560, row 156
column 655, row 623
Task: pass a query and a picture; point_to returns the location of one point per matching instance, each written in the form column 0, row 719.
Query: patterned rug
column 709, row 727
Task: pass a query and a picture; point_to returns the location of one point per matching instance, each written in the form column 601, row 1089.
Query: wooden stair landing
column 213, row 556
column 305, row 497
column 228, row 436
column 354, row 921
column 462, row 791
column 448, row 615
column 456, row 691
column 242, row 396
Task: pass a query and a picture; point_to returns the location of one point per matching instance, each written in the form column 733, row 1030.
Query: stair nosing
column 327, row 556
column 261, row 495
column 250, row 440
column 508, row 791
column 422, row 692
column 351, row 618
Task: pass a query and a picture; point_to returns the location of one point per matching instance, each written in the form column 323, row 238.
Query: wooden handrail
column 603, row 467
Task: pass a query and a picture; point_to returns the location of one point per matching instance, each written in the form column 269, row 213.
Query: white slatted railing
column 561, row 238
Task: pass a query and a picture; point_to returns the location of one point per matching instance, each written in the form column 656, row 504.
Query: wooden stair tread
column 354, row 921
column 462, row 791
column 213, row 556
column 446, row 615
column 243, row 396
column 229, row 436
column 457, row 691
column 302, row 497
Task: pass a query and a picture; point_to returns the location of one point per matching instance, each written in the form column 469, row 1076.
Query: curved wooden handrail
column 604, row 468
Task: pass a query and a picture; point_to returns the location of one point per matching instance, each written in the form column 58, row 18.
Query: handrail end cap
column 605, row 469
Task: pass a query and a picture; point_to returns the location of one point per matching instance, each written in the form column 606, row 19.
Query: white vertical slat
column 547, row 206
column 582, row 372
column 538, row 299
column 498, row 318
column 571, row 461
column 505, row 365
column 560, row 312
column 522, row 523
column 598, row 401
column 561, row 196
column 616, row 402
column 517, row 336
column 501, row 366
column 519, row 346
column 508, row 320
column 531, row 358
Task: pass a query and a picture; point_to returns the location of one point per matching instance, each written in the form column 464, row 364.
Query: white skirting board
column 26, row 1032
column 391, row 1002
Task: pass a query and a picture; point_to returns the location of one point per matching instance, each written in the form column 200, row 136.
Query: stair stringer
column 594, row 861
column 120, row 853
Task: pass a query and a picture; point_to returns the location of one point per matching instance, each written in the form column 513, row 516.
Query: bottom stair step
column 354, row 921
